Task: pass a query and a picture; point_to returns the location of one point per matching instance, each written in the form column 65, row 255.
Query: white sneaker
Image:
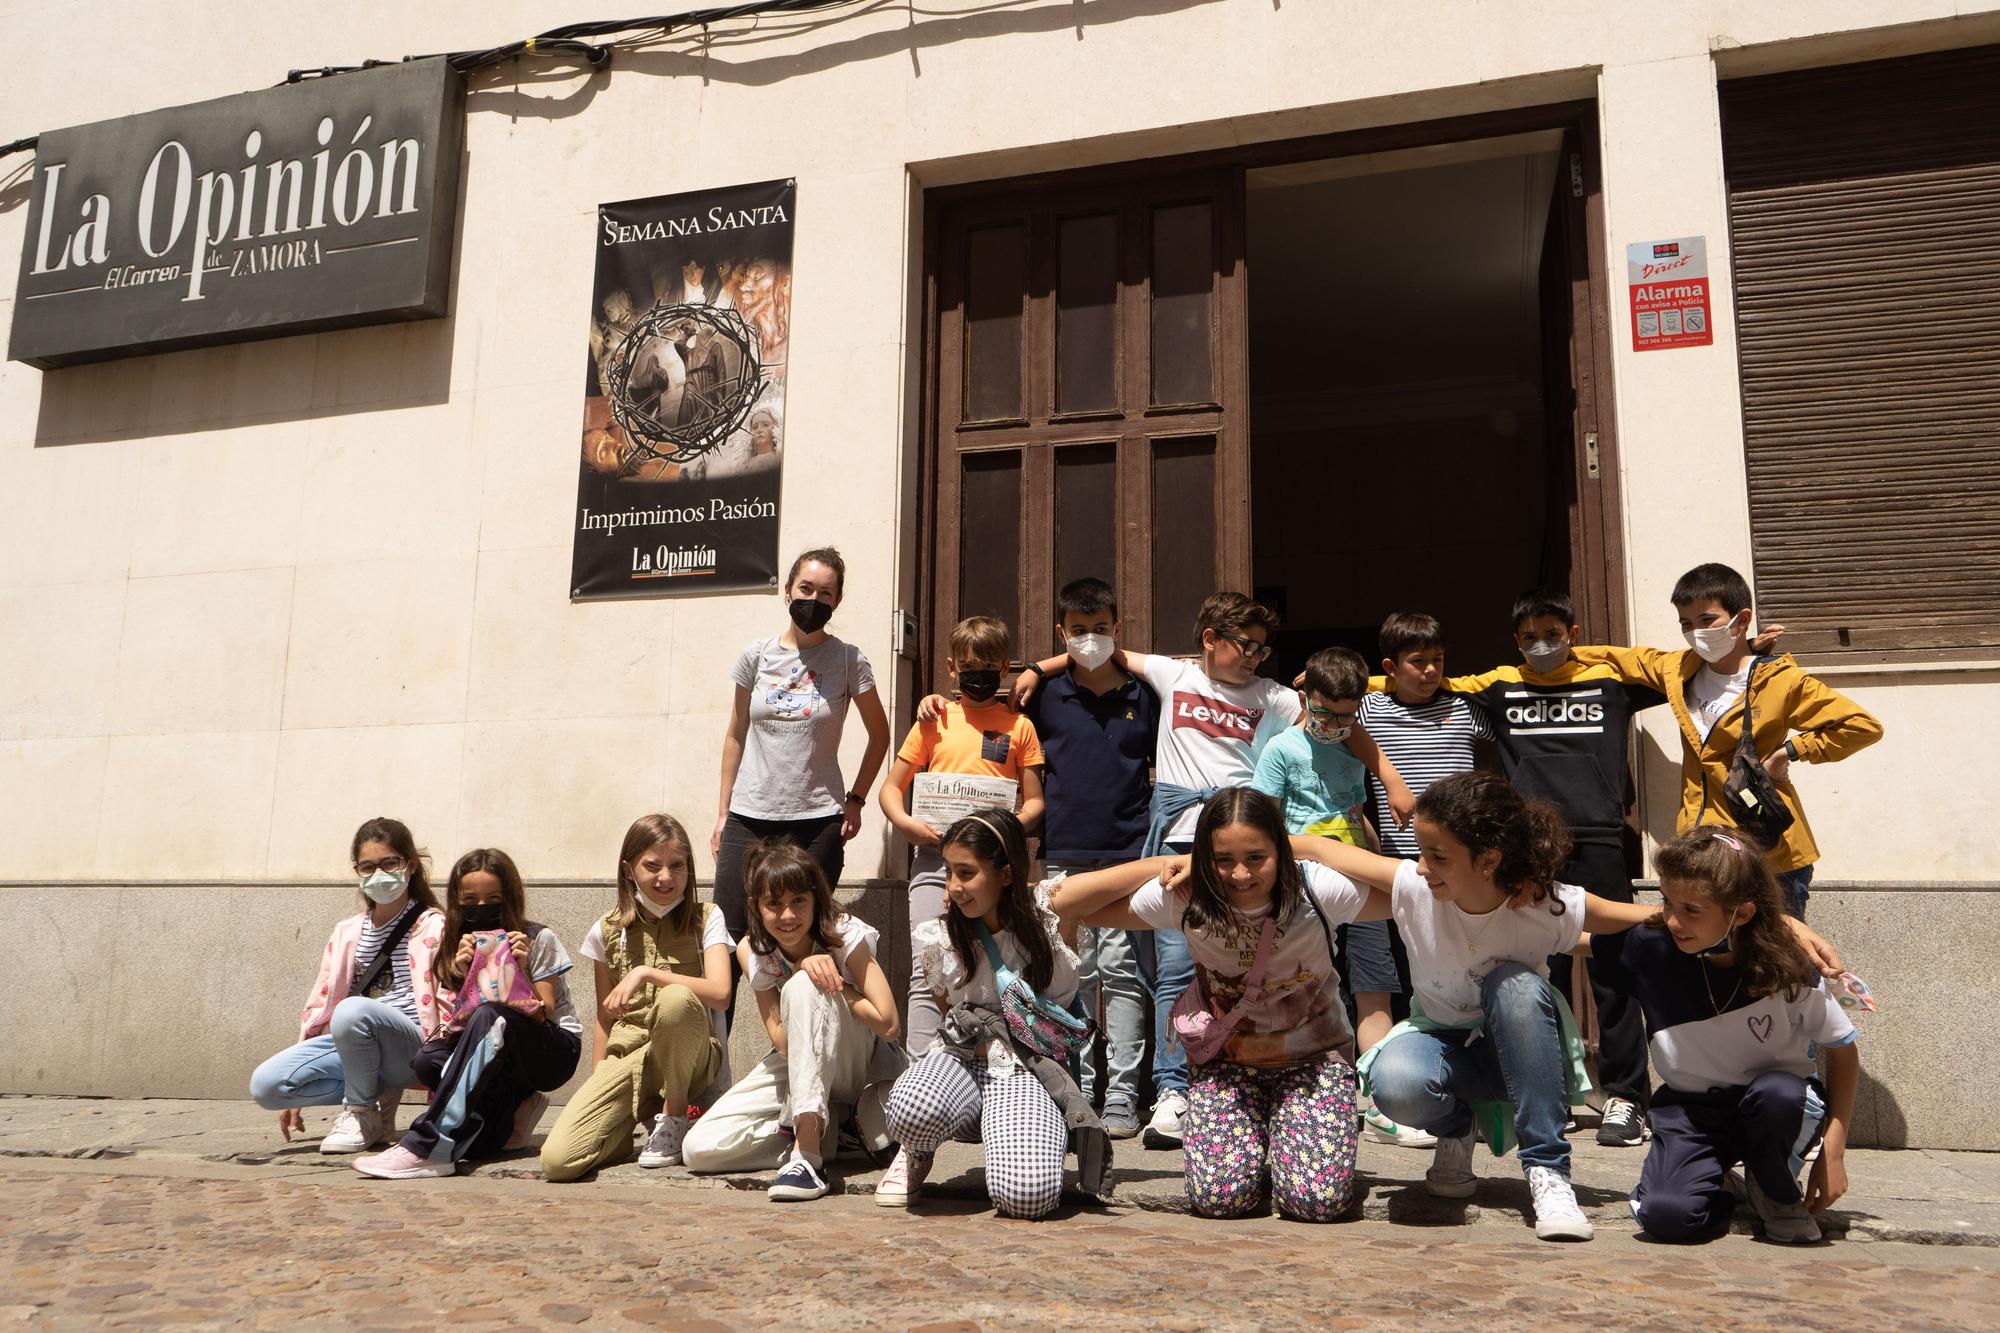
column 359, row 1128
column 663, row 1147
column 903, row 1181
column 1164, row 1130
column 1450, row 1176
column 1784, row 1223
column 1556, row 1215
column 1384, row 1130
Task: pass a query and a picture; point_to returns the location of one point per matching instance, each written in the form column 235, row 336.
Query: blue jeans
column 365, row 1051
column 1167, row 969
column 1430, row 1080
column 1797, row 887
column 1110, row 963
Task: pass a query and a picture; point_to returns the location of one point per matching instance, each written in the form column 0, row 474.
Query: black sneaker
column 797, row 1182
column 1623, row 1126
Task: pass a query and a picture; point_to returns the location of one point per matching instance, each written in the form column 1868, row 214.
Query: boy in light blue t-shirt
column 1323, row 789
column 1316, row 780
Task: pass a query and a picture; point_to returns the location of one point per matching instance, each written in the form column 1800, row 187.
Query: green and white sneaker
column 1382, row 1129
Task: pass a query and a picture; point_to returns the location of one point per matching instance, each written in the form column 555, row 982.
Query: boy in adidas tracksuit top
column 1563, row 730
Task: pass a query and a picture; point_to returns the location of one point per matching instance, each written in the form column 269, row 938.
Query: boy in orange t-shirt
column 978, row 736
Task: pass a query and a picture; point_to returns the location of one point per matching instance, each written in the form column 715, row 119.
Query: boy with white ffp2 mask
column 1795, row 718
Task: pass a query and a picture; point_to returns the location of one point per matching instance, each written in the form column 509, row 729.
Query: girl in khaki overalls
column 662, row 959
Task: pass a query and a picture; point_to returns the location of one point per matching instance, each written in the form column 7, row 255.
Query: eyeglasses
column 392, row 864
column 1344, row 717
column 1249, row 647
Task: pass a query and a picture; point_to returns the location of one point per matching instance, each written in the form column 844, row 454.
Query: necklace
column 1474, row 938
column 1718, row 1008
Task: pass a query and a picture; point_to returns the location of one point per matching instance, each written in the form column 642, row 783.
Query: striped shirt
column 394, row 987
column 1425, row 742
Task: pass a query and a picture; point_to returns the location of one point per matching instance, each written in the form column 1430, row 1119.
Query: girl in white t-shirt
column 662, row 962
column 1277, row 1100
column 1480, row 913
column 980, row 1091
column 827, row 1005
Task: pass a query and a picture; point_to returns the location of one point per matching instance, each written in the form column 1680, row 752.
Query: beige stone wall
column 249, row 596
column 132, row 992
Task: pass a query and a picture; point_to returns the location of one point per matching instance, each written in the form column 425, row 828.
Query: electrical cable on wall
column 568, row 40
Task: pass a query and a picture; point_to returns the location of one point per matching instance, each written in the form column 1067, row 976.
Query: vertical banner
column 1669, row 284
column 684, row 394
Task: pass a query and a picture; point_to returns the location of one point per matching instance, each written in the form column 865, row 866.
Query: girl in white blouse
column 984, row 1093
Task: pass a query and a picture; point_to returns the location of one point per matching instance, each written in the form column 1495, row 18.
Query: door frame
column 1598, row 573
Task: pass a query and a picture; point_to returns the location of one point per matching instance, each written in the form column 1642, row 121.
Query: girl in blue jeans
column 372, row 1006
column 1489, row 1043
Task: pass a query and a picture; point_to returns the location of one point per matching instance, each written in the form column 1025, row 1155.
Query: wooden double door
column 1087, row 391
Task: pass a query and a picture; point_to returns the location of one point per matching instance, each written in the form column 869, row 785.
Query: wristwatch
column 857, row 798
column 1791, row 751
column 1035, row 667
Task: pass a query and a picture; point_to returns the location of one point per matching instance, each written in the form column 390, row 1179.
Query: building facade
column 1326, row 300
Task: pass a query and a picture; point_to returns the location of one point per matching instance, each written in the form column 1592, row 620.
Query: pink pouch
column 1200, row 1032
column 494, row 977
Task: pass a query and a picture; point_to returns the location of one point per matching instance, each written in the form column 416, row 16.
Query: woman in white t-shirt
column 781, row 751
column 831, row 1016
column 1277, row 1099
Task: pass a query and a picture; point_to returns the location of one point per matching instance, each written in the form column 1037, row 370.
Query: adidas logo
column 1555, row 710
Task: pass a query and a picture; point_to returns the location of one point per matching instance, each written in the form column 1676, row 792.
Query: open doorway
column 1412, row 440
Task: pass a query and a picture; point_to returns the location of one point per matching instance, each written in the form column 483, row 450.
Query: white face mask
column 1715, row 642
column 1543, row 656
column 649, row 907
column 385, row 886
column 1091, row 651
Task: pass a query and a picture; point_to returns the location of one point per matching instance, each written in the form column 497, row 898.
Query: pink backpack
column 494, row 977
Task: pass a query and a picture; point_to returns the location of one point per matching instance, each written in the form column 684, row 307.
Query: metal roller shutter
column 1864, row 221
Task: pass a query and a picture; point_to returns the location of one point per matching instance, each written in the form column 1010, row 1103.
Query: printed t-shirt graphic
column 1301, row 1014
column 1212, row 731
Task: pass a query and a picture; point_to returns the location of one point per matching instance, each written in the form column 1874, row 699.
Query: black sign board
column 319, row 205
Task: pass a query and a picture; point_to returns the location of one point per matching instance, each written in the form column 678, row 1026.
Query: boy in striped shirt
column 1427, row 734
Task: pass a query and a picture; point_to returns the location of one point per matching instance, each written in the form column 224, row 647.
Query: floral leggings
column 1296, row 1123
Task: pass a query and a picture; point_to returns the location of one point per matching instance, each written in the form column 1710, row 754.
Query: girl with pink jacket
column 373, row 1005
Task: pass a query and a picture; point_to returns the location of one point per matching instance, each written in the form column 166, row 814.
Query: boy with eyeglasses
column 1216, row 716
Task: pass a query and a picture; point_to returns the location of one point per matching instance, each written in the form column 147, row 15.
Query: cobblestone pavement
column 92, row 1243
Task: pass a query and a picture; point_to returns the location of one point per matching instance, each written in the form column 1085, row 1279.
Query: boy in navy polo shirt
column 1097, row 723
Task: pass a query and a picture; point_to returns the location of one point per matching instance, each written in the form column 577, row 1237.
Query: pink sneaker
column 399, row 1163
column 526, row 1116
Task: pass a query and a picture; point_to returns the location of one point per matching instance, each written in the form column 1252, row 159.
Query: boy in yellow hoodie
column 1796, row 719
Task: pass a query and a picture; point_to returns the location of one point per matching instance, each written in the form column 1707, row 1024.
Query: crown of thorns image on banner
column 712, row 402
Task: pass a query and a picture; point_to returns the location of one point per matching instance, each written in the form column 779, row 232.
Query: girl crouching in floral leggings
column 1276, row 1101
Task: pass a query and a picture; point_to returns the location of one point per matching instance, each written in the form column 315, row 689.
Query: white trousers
column 829, row 1054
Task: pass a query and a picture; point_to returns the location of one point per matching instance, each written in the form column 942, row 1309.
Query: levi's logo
column 1213, row 717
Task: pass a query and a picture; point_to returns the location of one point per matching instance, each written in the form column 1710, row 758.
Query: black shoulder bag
column 386, row 956
column 1753, row 798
